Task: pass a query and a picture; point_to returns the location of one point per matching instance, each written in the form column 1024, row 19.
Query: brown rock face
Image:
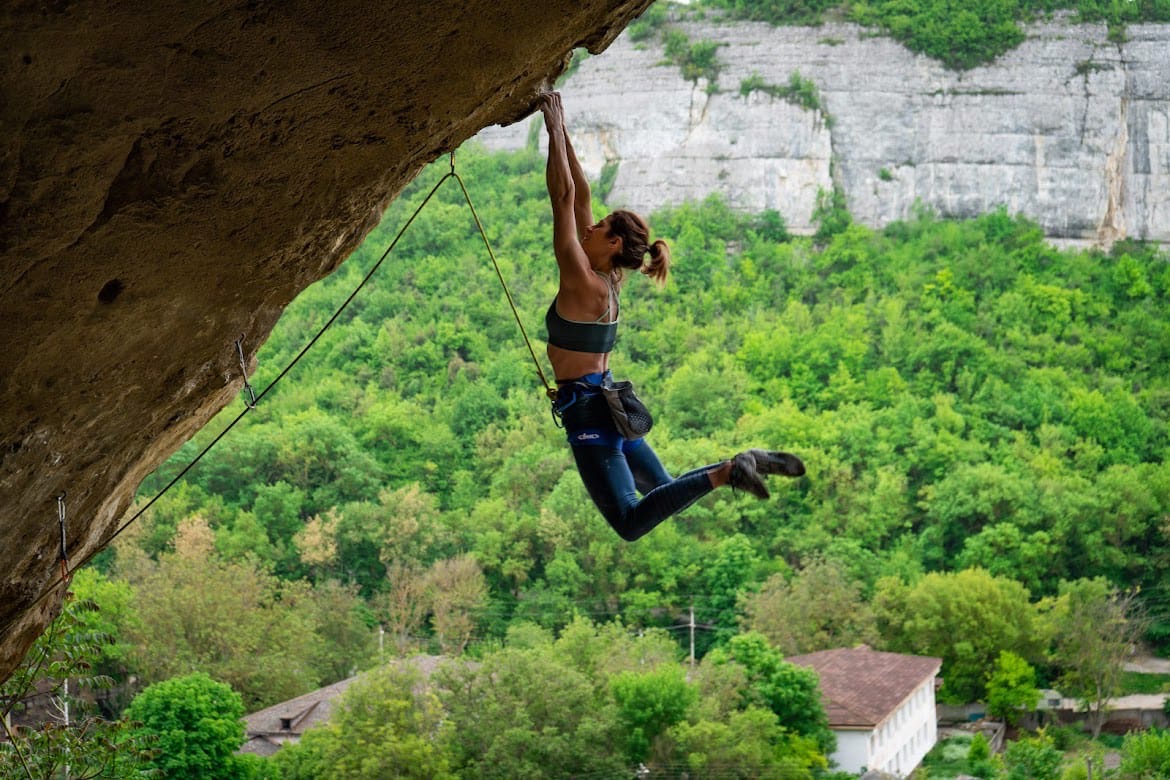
column 172, row 174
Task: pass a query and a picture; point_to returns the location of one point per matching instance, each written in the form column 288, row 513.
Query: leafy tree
column 389, row 723
column 47, row 695
column 791, row 692
column 234, row 620
column 341, row 621
column 456, row 591
column 1145, row 754
column 1011, row 688
column 1032, row 758
column 820, row 608
column 648, row 704
column 979, row 758
column 1096, row 628
column 732, row 569
column 527, row 714
column 751, row 743
column 197, row 724
column 967, row 619
column 831, row 214
column 402, row 606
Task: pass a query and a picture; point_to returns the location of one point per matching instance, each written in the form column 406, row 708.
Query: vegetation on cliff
column 961, row 36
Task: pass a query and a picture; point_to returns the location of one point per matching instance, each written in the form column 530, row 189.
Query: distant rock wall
column 1069, row 128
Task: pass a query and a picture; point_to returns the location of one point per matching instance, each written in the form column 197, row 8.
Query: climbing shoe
column 745, row 477
column 773, row 462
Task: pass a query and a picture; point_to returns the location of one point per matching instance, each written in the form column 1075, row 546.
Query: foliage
column 1098, row 626
column 46, row 696
column 961, row 36
column 1145, row 754
column 386, row 724
column 196, row 723
column 1086, row 763
column 831, row 214
column 958, row 755
column 649, row 703
column 967, row 619
column 799, row 91
column 648, row 23
column 749, row 743
column 527, row 712
column 1142, row 682
column 1032, row 758
column 818, row 607
column 234, row 620
column 777, row 11
column 979, row 759
column 1011, row 688
column 791, row 692
column 698, row 60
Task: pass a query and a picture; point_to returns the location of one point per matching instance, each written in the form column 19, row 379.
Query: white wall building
column 880, row 706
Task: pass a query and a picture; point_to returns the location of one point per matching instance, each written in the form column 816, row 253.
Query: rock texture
column 1069, row 128
column 172, row 174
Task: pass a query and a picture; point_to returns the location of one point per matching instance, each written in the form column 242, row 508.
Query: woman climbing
column 582, row 325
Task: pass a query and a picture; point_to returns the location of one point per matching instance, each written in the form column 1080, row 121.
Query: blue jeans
column 615, row 469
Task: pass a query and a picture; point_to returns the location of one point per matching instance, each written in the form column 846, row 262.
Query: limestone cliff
column 171, row 175
column 1069, row 128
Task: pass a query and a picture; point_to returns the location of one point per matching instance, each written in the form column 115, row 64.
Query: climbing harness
column 253, row 398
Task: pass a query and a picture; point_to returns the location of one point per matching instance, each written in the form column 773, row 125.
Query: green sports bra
column 597, row 337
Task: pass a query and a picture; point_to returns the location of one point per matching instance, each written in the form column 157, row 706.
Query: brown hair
column 635, row 236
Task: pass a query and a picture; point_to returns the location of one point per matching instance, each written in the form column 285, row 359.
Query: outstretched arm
column 562, row 191
column 582, row 197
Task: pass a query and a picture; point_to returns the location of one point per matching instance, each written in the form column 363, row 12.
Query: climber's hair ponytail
column 635, row 236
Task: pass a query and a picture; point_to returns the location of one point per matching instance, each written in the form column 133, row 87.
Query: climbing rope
column 253, row 398
column 549, row 390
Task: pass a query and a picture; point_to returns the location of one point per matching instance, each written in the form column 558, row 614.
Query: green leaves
column 1011, row 688
column 967, row 619
column 648, row 704
column 196, row 722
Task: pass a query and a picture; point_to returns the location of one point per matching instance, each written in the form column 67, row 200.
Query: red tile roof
column 862, row 687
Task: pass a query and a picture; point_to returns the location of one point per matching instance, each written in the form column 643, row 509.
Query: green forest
column 983, row 417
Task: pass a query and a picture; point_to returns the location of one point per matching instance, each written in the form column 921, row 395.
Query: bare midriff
column 568, row 364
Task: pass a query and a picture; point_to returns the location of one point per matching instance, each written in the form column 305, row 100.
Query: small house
column 880, row 706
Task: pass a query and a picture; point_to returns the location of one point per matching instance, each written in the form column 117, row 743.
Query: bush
column 197, row 722
column 646, row 25
column 830, row 214
column 1146, row 754
column 1033, row 758
column 778, row 12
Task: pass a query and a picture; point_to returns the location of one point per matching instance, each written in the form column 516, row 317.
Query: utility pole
column 65, row 700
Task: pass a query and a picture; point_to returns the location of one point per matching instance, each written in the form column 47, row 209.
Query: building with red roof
column 880, row 705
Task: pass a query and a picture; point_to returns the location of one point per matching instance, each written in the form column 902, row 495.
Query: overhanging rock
column 172, row 174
